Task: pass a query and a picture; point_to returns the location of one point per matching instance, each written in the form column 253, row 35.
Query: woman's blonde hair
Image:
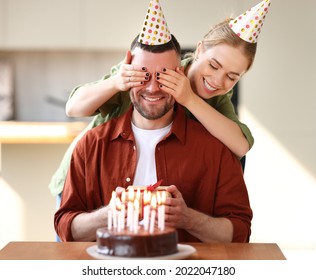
column 221, row 33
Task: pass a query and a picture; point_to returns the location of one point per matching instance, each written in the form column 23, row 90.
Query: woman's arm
column 87, row 99
column 223, row 128
column 219, row 125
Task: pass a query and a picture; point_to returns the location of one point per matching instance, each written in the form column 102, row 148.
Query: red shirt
column 205, row 171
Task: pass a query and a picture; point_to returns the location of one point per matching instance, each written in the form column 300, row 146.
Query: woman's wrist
column 191, row 101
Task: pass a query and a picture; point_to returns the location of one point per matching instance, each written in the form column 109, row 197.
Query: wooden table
column 77, row 251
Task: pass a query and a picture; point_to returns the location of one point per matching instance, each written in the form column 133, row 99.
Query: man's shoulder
column 198, row 135
column 206, row 143
column 103, row 129
column 195, row 132
column 196, row 128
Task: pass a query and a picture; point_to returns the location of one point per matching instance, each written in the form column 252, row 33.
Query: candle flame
column 158, row 198
column 131, row 195
column 113, row 195
column 123, row 196
column 113, row 199
column 118, row 204
column 163, row 197
column 138, row 193
column 153, row 202
column 147, row 197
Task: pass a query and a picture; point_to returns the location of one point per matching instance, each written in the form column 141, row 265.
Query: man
column 209, row 198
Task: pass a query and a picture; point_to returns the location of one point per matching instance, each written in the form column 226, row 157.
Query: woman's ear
column 198, row 50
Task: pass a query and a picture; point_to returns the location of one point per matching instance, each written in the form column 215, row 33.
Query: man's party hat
column 155, row 30
column 248, row 25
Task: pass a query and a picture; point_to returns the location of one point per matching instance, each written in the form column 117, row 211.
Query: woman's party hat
column 155, row 30
column 248, row 25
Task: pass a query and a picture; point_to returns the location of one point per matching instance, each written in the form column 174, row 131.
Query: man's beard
column 151, row 112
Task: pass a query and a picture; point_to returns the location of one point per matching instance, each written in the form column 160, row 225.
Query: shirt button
column 128, row 179
column 134, row 147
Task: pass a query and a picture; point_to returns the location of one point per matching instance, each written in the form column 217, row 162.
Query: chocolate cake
column 140, row 244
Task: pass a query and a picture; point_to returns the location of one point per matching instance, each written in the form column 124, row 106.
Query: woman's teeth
column 208, row 86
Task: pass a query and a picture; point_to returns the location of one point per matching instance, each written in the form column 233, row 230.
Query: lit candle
column 136, row 215
column 147, row 198
column 123, row 196
column 110, row 214
column 120, row 215
column 123, row 201
column 138, row 194
column 159, row 210
column 111, row 211
column 153, row 214
column 130, row 209
column 138, row 198
column 163, row 202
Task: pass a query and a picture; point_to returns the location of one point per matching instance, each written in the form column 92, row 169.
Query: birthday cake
column 141, row 244
column 136, row 224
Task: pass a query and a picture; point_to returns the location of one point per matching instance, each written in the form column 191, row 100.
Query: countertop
column 12, row 132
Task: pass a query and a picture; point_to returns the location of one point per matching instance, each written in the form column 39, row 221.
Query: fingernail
column 158, row 74
column 144, row 68
column 160, row 85
column 146, row 78
column 141, row 83
column 164, row 69
column 157, row 78
column 147, row 74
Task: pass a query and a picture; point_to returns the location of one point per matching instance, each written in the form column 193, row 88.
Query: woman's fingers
column 134, row 74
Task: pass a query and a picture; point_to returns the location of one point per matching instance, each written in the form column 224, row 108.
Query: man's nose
column 153, row 85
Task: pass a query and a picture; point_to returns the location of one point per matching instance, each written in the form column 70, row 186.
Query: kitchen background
column 47, row 48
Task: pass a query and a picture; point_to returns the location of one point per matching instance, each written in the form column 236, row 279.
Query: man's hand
column 176, row 210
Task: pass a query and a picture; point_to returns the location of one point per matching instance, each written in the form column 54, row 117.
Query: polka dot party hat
column 248, row 25
column 155, row 30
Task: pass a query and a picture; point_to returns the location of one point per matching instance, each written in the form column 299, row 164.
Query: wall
column 26, row 205
column 278, row 102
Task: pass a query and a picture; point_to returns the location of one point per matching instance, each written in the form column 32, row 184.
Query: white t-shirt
column 146, row 141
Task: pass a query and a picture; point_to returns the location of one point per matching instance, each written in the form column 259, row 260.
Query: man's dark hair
column 173, row 44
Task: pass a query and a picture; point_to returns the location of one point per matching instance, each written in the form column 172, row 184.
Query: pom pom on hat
column 155, row 30
column 248, row 25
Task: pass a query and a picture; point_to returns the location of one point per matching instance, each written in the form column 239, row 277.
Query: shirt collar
column 179, row 123
column 123, row 127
